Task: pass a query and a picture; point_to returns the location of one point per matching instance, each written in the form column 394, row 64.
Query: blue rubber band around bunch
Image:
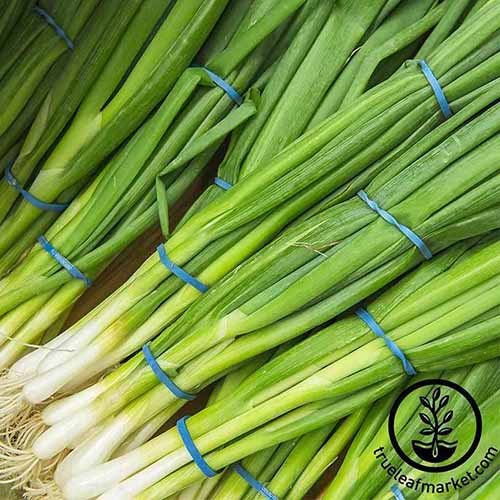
column 42, row 205
column 179, row 272
column 192, row 449
column 254, row 483
column 365, row 316
column 225, row 86
column 436, row 88
column 163, row 377
column 72, row 269
column 398, row 495
column 52, row 22
column 222, row 183
column 414, row 238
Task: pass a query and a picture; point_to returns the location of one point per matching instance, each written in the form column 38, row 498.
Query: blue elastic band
column 42, row 205
column 436, row 87
column 76, row 273
column 398, row 495
column 52, row 22
column 254, row 483
column 364, row 315
column 225, row 86
column 163, row 377
column 416, row 240
column 192, row 449
column 180, row 273
column 222, row 183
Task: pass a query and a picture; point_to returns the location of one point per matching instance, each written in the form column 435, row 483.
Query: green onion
column 295, row 283
column 315, row 15
column 186, row 349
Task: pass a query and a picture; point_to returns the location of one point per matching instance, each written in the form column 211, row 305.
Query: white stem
column 92, row 482
column 98, row 449
column 147, row 431
column 81, row 338
column 65, row 408
column 58, row 437
column 70, row 464
column 29, row 363
column 147, row 477
column 102, row 477
column 49, row 382
column 83, row 439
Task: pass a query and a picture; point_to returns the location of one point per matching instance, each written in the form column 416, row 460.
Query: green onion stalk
column 33, row 48
column 300, row 268
column 280, row 101
column 327, row 455
column 296, row 473
column 11, row 12
column 362, row 474
column 487, row 490
column 288, row 470
column 235, row 209
column 118, row 206
column 224, row 388
column 446, row 313
column 122, row 76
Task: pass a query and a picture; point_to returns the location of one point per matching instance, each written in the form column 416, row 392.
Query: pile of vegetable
column 349, row 240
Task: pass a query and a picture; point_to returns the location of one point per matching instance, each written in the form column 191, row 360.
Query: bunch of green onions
column 281, row 103
column 30, row 52
column 309, row 264
column 293, row 284
column 444, row 314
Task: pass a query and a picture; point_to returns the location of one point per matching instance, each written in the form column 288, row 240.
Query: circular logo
column 422, row 424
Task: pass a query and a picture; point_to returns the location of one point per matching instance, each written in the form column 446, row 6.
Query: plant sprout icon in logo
column 426, row 429
column 438, row 449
